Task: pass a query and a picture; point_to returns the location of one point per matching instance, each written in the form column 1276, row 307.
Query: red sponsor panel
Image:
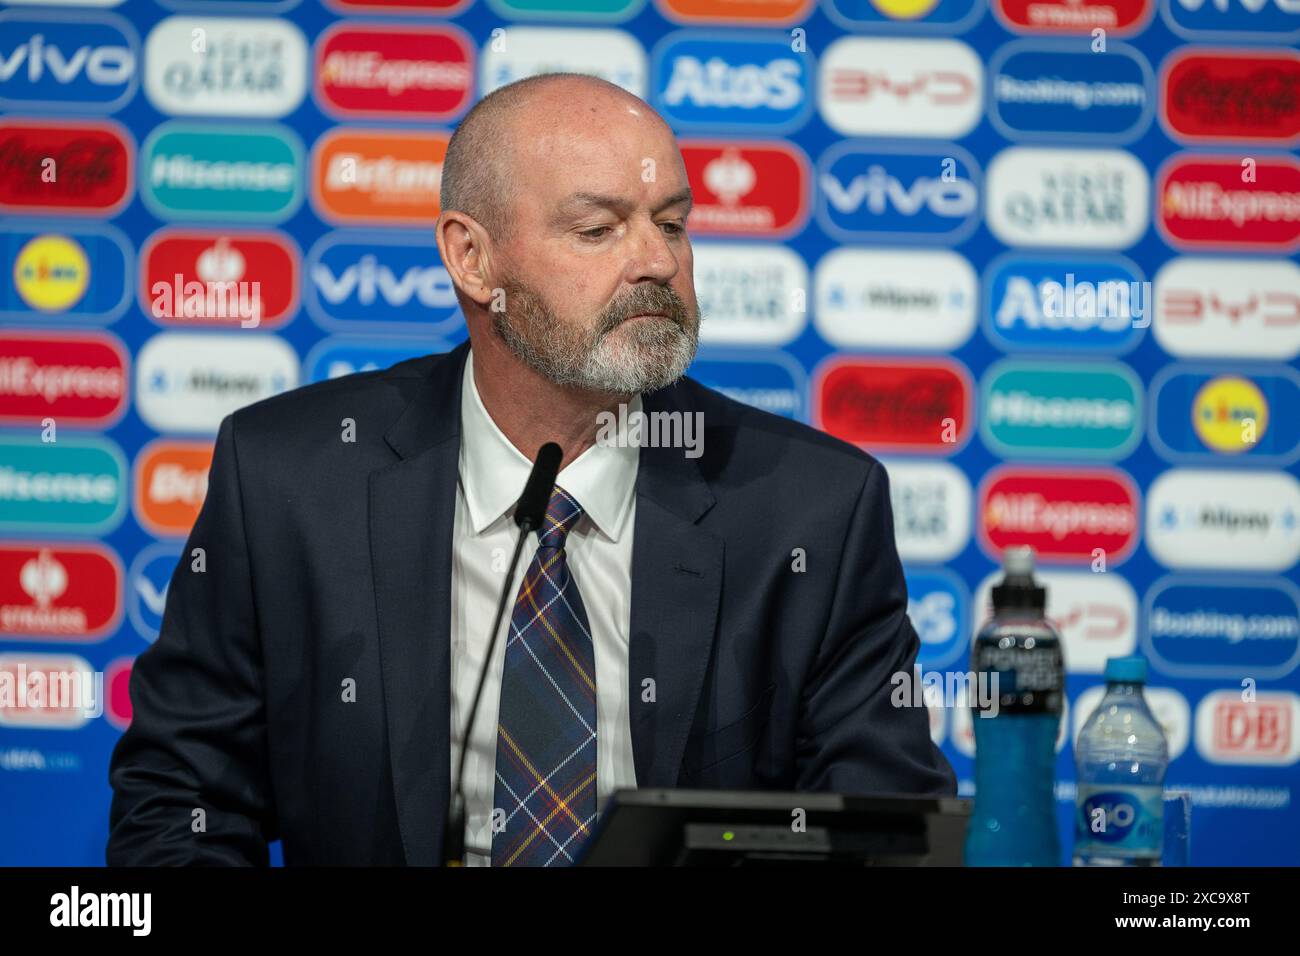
column 200, row 277
column 72, row 167
column 1230, row 202
column 59, row 592
column 117, row 692
column 1074, row 16
column 441, row 8
column 746, row 188
column 1219, row 94
column 402, row 72
column 76, row 378
column 899, row 405
column 1064, row 515
column 1258, row 728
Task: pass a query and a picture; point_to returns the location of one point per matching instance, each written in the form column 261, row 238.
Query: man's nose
column 653, row 257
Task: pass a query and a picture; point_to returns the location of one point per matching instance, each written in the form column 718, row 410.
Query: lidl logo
column 717, row 81
column 1226, row 202
column 216, row 171
column 91, row 164
column 378, row 177
column 744, row 13
column 171, row 482
column 74, row 484
column 147, row 585
column 406, row 72
column 1077, row 303
column 926, row 193
column 1276, row 21
column 775, row 384
column 1228, row 308
column 1067, row 516
column 895, row 404
column 1208, row 413
column 76, row 378
column 1223, row 94
column 905, row 16
column 1119, row 17
column 746, row 188
column 59, row 592
column 87, row 64
column 1059, row 89
column 1051, row 409
column 333, row 358
column 78, row 273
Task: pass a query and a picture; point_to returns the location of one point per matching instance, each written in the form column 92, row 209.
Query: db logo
column 64, row 168
column 1065, row 516
column 378, row 177
column 1119, row 17
column 1226, row 202
column 171, row 481
column 404, row 72
column 1213, row 95
column 58, row 592
column 1230, row 730
column 895, row 405
column 212, row 268
column 747, row 188
column 78, row 379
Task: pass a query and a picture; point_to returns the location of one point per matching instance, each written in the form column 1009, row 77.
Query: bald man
column 715, row 600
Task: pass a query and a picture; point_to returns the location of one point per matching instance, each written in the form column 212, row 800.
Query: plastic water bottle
column 1019, row 673
column 1121, row 757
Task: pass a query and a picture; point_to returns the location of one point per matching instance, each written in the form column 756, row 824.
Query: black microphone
column 530, row 512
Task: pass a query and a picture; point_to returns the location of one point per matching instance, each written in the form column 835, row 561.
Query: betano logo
column 893, row 405
column 1227, row 202
column 88, row 64
column 59, row 592
column 378, row 177
column 406, row 72
column 1228, row 308
column 64, row 168
column 1221, row 94
column 746, row 187
column 738, row 12
column 171, row 481
column 77, row 379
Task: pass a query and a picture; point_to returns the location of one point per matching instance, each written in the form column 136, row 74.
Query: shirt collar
column 493, row 471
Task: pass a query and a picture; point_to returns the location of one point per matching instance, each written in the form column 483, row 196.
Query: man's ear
column 463, row 244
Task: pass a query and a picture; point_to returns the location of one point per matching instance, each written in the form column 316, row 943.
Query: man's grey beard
column 653, row 352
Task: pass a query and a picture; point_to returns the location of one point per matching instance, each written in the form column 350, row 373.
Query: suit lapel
column 412, row 514
column 676, row 583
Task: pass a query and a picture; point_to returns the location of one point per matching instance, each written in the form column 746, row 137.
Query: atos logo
column 1264, row 731
column 1095, row 304
column 1215, row 95
column 1208, row 202
column 406, row 72
column 378, row 282
column 1065, row 516
column 1204, row 413
column 1202, row 627
column 1059, row 89
column 1118, row 17
column 60, row 274
column 83, row 64
column 1276, row 21
column 776, row 384
column 334, row 358
column 149, row 579
column 719, row 82
column 93, row 164
column 904, row 16
column 78, row 379
column 928, row 194
column 895, row 405
column 59, row 592
column 939, row 609
column 747, row 188
column 1228, row 308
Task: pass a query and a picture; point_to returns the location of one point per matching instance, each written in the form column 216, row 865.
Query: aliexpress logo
column 171, row 481
column 378, row 177
column 1230, row 202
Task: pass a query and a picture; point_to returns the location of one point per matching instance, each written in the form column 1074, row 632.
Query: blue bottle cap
column 1129, row 670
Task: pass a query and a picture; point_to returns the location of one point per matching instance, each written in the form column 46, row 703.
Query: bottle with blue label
column 1018, row 671
column 1121, row 756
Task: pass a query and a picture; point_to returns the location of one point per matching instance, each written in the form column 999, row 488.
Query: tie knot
column 562, row 514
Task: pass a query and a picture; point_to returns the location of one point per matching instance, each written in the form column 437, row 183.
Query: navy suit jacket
column 327, row 561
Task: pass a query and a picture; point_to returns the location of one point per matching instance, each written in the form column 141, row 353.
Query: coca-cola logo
column 1225, row 94
column 64, row 168
column 898, row 405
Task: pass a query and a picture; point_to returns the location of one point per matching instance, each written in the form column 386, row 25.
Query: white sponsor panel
column 878, row 298
column 750, row 294
column 1228, row 308
column 225, row 66
column 1170, row 709
column 932, row 509
column 1076, row 198
column 1234, row 728
column 1242, row 520
column 612, row 55
column 48, row 691
column 1095, row 613
column 189, row 383
column 870, row 86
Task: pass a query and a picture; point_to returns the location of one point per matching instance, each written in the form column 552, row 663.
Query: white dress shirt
column 599, row 554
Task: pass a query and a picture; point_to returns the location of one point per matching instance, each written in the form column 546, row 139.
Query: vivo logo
column 878, row 191
column 61, row 65
column 369, row 280
column 104, row 65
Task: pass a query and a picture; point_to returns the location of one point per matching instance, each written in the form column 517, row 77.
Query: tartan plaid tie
column 546, row 731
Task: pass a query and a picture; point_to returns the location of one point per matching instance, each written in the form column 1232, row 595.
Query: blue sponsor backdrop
column 896, row 140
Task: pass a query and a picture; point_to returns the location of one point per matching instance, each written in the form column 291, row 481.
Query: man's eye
column 674, row 228
column 595, row 233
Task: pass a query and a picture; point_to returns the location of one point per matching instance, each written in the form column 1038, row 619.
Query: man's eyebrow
column 616, row 203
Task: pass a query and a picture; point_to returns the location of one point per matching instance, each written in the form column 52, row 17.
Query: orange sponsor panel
column 378, row 176
column 171, row 481
column 757, row 12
